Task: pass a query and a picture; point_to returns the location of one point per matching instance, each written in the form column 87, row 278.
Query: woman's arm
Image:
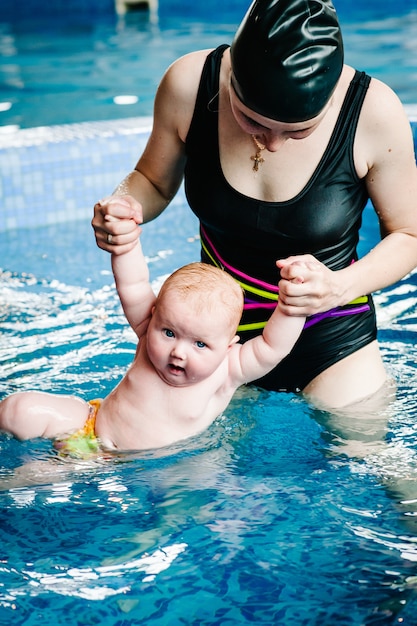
column 384, row 155
column 150, row 187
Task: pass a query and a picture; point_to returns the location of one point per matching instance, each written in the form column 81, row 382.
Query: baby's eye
column 200, row 344
column 168, row 332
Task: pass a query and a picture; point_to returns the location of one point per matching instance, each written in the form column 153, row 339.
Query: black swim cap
column 287, row 57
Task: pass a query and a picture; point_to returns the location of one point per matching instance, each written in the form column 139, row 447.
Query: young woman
column 281, row 144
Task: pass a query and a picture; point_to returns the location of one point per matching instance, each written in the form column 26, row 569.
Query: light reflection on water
column 264, row 518
column 113, row 56
column 267, row 517
column 58, row 335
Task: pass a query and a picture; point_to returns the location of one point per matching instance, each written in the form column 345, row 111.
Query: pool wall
column 54, row 174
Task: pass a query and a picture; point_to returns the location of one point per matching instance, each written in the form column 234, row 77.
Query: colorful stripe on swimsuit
column 261, row 296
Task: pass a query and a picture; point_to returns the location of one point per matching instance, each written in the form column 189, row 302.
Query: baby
column 187, row 366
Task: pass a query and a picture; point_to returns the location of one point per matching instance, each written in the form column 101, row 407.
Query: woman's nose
column 273, row 142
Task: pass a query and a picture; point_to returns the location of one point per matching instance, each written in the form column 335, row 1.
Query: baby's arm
column 260, row 355
column 131, row 275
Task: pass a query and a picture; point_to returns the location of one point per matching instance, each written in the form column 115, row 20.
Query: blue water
column 263, row 519
column 269, row 517
column 57, row 70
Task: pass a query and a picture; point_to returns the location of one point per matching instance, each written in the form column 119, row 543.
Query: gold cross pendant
column 257, row 160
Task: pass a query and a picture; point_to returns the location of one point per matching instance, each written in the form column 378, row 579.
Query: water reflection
column 276, row 497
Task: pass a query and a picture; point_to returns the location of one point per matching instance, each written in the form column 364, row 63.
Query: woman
column 281, row 145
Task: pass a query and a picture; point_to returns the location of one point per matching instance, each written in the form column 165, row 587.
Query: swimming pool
column 264, row 519
column 71, row 61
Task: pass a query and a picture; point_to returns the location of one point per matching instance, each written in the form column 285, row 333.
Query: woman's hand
column 115, row 223
column 315, row 293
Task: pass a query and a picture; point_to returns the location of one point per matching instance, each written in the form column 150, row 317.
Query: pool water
column 279, row 514
column 265, row 518
column 71, row 65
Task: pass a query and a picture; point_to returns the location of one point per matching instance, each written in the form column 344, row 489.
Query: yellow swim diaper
column 83, row 442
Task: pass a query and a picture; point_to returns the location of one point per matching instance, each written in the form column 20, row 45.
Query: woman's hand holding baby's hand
column 115, row 223
column 307, row 286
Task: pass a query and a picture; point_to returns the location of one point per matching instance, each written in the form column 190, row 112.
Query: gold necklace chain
column 257, row 158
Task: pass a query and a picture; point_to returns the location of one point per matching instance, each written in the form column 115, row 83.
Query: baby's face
column 184, row 346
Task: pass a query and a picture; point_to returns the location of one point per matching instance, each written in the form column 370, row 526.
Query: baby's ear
column 153, row 310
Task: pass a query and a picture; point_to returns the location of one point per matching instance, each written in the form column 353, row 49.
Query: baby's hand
column 294, row 271
column 115, row 223
column 121, row 208
column 312, row 294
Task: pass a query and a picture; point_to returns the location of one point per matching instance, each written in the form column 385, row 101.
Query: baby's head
column 208, row 291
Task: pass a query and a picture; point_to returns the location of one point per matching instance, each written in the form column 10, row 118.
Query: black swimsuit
column 245, row 236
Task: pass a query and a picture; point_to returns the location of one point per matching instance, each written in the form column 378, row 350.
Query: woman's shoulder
column 382, row 104
column 189, row 65
column 380, row 98
column 177, row 92
column 182, row 78
column 383, row 126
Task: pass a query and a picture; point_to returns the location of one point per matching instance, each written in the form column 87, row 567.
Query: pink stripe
column 247, row 307
column 261, row 283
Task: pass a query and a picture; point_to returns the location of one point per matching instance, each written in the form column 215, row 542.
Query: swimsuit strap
column 264, row 296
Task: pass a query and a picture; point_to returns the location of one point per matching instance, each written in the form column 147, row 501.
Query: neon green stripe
column 260, row 292
column 266, row 294
column 214, row 261
column 360, row 300
column 254, row 326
